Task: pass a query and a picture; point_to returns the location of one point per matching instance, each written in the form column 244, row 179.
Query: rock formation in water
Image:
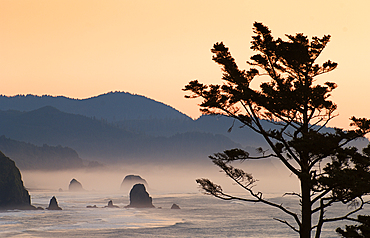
column 139, row 197
column 131, row 180
column 13, row 194
column 75, row 186
column 110, row 204
column 175, row 206
column 53, row 204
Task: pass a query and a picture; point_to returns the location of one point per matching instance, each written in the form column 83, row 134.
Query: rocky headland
column 13, row 194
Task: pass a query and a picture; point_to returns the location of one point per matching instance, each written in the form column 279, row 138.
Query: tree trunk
column 305, row 231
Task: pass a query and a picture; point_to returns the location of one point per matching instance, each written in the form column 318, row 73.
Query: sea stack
column 131, row 180
column 110, row 204
column 139, row 197
column 13, row 194
column 53, row 204
column 75, row 186
column 175, row 206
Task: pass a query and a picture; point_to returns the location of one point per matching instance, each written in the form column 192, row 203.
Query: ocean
column 200, row 216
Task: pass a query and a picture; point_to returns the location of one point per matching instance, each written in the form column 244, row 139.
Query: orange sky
column 83, row 48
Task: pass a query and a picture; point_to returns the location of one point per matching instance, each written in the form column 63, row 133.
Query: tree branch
column 349, row 213
column 278, row 154
column 321, row 195
column 259, row 198
column 287, row 223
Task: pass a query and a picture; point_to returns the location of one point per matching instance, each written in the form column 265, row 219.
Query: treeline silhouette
column 45, row 157
column 145, row 136
column 112, row 106
column 97, row 140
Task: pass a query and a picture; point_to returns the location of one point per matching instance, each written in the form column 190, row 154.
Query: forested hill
column 134, row 128
column 98, row 140
column 113, row 106
column 31, row 157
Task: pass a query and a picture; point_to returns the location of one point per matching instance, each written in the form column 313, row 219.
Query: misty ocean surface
column 200, row 216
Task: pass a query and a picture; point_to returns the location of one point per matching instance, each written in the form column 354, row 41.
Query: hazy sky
column 83, row 48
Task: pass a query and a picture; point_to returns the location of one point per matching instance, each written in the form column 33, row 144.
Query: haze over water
column 200, row 215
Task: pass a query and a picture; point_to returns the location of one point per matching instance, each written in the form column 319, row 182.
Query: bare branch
column 258, row 196
column 327, row 121
column 279, row 155
column 345, row 217
column 322, row 205
column 288, row 148
column 318, row 197
column 287, row 223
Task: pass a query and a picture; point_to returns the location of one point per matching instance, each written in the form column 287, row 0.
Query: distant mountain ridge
column 121, row 127
column 112, row 106
column 101, row 141
column 215, row 124
column 136, row 114
column 29, row 156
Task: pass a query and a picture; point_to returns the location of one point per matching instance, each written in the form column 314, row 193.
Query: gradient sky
column 83, row 48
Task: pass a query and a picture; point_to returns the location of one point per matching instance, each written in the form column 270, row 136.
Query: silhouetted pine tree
column 328, row 169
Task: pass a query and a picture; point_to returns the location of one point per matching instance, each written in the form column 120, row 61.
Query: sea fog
column 272, row 178
column 200, row 215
